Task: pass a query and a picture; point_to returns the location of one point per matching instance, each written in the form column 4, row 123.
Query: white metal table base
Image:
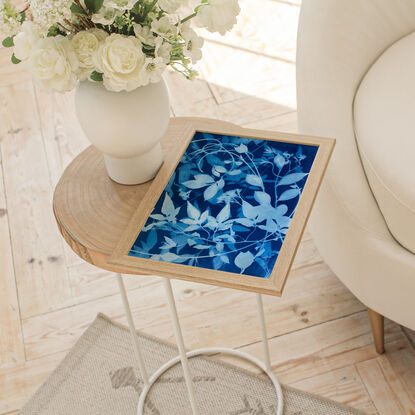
column 183, row 356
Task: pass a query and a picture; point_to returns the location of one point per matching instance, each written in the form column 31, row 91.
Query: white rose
column 218, row 15
column 24, row 41
column 170, row 6
column 86, row 44
column 53, row 63
column 120, row 58
column 194, row 43
column 152, row 70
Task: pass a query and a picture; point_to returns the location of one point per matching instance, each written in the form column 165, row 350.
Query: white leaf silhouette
column 220, row 169
column 169, row 257
column 210, row 191
column 245, row 222
column 225, row 259
column 254, row 180
column 279, row 160
column 291, row 178
column 243, row 260
column 200, row 180
column 235, row 172
column 193, row 211
column 224, row 214
column 248, row 210
column 168, row 206
column 170, row 241
column 282, row 209
column 289, row 194
column 262, row 198
column 242, row 148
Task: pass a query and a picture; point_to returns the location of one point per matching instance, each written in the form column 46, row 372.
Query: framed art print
column 229, row 210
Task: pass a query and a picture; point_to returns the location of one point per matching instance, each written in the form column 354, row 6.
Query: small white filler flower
column 47, row 13
column 152, row 70
column 194, row 43
column 145, row 34
column 218, row 15
column 9, row 19
column 171, row 6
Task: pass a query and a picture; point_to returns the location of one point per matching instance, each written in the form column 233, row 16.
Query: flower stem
column 76, row 28
column 65, row 29
column 85, row 21
column 188, row 17
column 81, row 7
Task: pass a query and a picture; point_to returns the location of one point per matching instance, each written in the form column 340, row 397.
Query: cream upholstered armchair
column 356, row 83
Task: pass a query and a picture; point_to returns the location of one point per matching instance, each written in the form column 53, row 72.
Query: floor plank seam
column 365, row 386
column 399, row 403
column 82, row 303
column 50, row 176
column 13, row 257
column 300, row 329
column 287, row 2
column 212, row 92
column 251, row 51
column 282, row 114
column 320, row 374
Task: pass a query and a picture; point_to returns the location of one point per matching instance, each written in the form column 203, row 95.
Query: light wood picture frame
column 232, row 154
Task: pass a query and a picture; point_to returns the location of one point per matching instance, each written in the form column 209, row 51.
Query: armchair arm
column 338, row 41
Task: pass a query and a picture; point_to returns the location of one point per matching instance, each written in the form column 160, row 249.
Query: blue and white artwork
column 228, row 204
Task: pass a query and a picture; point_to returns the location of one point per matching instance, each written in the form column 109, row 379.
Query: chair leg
column 377, row 323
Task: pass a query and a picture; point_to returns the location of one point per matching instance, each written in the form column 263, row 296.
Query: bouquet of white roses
column 122, row 43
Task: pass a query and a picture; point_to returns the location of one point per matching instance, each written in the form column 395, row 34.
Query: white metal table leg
column 267, row 359
column 209, row 351
column 180, row 345
column 134, row 337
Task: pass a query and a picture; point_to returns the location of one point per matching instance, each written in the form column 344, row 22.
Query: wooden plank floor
column 319, row 333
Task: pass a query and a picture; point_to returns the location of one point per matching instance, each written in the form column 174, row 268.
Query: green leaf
column 94, row 5
column 8, row 42
column 137, row 8
column 22, row 17
column 75, row 9
column 15, row 60
column 150, row 6
column 96, row 76
column 53, row 31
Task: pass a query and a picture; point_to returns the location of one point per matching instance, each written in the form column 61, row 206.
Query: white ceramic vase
column 126, row 127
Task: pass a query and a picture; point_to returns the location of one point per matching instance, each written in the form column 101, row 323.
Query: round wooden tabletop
column 92, row 211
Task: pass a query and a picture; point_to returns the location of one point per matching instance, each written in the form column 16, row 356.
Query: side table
column 92, row 213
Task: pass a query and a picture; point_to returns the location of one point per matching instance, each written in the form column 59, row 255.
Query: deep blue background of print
column 228, row 204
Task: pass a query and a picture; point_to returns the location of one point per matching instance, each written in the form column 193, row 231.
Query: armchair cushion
column 384, row 115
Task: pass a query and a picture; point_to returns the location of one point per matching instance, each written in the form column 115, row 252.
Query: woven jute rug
column 99, row 377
